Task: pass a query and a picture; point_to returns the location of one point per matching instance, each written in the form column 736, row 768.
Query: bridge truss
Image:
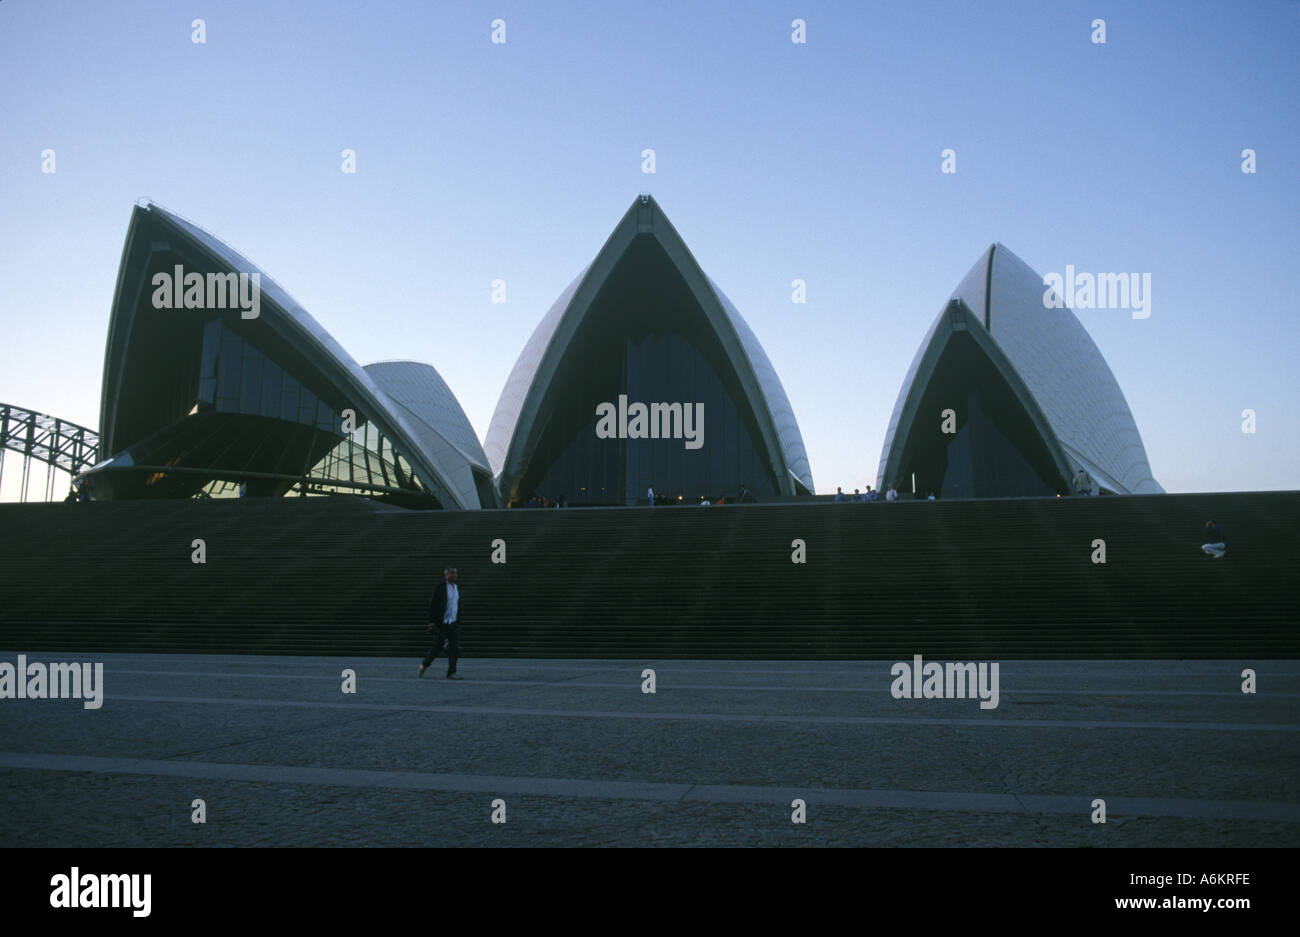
column 37, row 437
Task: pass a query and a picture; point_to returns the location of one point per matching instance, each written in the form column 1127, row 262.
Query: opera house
column 644, row 322
column 642, row 374
column 1009, row 398
column 202, row 400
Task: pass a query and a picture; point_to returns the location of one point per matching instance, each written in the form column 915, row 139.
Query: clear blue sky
column 774, row 161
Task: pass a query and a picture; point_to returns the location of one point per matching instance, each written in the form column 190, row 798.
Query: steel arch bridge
column 37, row 437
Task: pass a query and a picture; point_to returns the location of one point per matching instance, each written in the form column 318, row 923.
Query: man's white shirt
column 453, row 604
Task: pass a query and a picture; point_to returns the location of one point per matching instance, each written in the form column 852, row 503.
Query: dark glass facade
column 258, row 425
column 996, row 450
column 645, row 337
column 236, row 377
column 981, row 459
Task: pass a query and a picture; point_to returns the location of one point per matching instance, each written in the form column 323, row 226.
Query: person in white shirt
column 891, row 494
column 444, row 621
column 650, row 493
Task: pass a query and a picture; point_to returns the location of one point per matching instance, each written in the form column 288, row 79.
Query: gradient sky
column 774, row 161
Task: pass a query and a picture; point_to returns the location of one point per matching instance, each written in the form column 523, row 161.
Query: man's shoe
column 454, row 676
column 421, row 671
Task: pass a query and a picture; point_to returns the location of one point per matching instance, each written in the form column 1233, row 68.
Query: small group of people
column 742, row 496
column 541, row 501
column 862, row 497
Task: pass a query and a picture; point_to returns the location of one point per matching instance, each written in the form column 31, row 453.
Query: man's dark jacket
column 438, row 605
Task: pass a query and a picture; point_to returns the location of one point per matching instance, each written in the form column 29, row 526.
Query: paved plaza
column 578, row 755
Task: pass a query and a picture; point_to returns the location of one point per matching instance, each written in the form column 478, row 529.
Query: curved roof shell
column 415, row 419
column 441, row 428
column 514, row 431
column 1060, row 369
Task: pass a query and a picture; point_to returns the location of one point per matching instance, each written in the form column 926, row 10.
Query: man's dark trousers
column 451, row 634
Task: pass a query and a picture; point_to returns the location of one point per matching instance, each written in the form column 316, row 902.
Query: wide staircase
column 968, row 580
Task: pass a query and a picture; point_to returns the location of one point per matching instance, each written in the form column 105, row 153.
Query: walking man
column 444, row 620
